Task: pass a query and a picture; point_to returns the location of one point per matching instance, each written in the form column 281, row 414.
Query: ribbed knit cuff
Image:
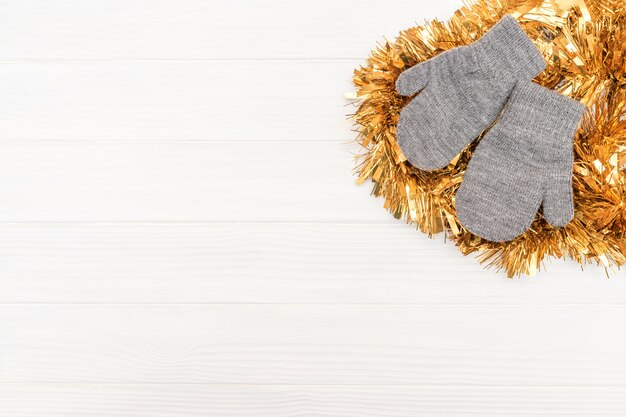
column 537, row 104
column 507, row 51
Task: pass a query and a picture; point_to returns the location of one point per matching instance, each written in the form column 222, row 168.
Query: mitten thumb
column 415, row 78
column 558, row 202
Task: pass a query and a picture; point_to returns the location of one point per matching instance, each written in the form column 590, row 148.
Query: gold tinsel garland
column 584, row 44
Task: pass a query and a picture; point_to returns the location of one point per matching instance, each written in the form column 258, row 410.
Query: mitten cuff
column 507, row 51
column 539, row 104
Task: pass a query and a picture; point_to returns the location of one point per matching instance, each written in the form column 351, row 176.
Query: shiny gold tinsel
column 584, row 44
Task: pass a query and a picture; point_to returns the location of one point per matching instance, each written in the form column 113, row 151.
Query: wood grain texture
column 181, row 235
column 176, row 101
column 297, row 401
column 296, row 344
column 268, row 263
column 199, row 29
column 220, row 181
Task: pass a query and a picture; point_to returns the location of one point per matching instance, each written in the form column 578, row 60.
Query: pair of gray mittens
column 524, row 160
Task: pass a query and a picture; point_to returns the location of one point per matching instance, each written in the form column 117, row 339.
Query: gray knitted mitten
column 524, row 160
column 462, row 91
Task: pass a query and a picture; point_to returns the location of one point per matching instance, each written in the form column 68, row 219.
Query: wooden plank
column 219, row 181
column 199, row 29
column 332, row 344
column 176, row 101
column 268, row 263
column 296, row 401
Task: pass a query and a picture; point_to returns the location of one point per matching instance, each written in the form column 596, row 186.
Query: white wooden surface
column 180, row 234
